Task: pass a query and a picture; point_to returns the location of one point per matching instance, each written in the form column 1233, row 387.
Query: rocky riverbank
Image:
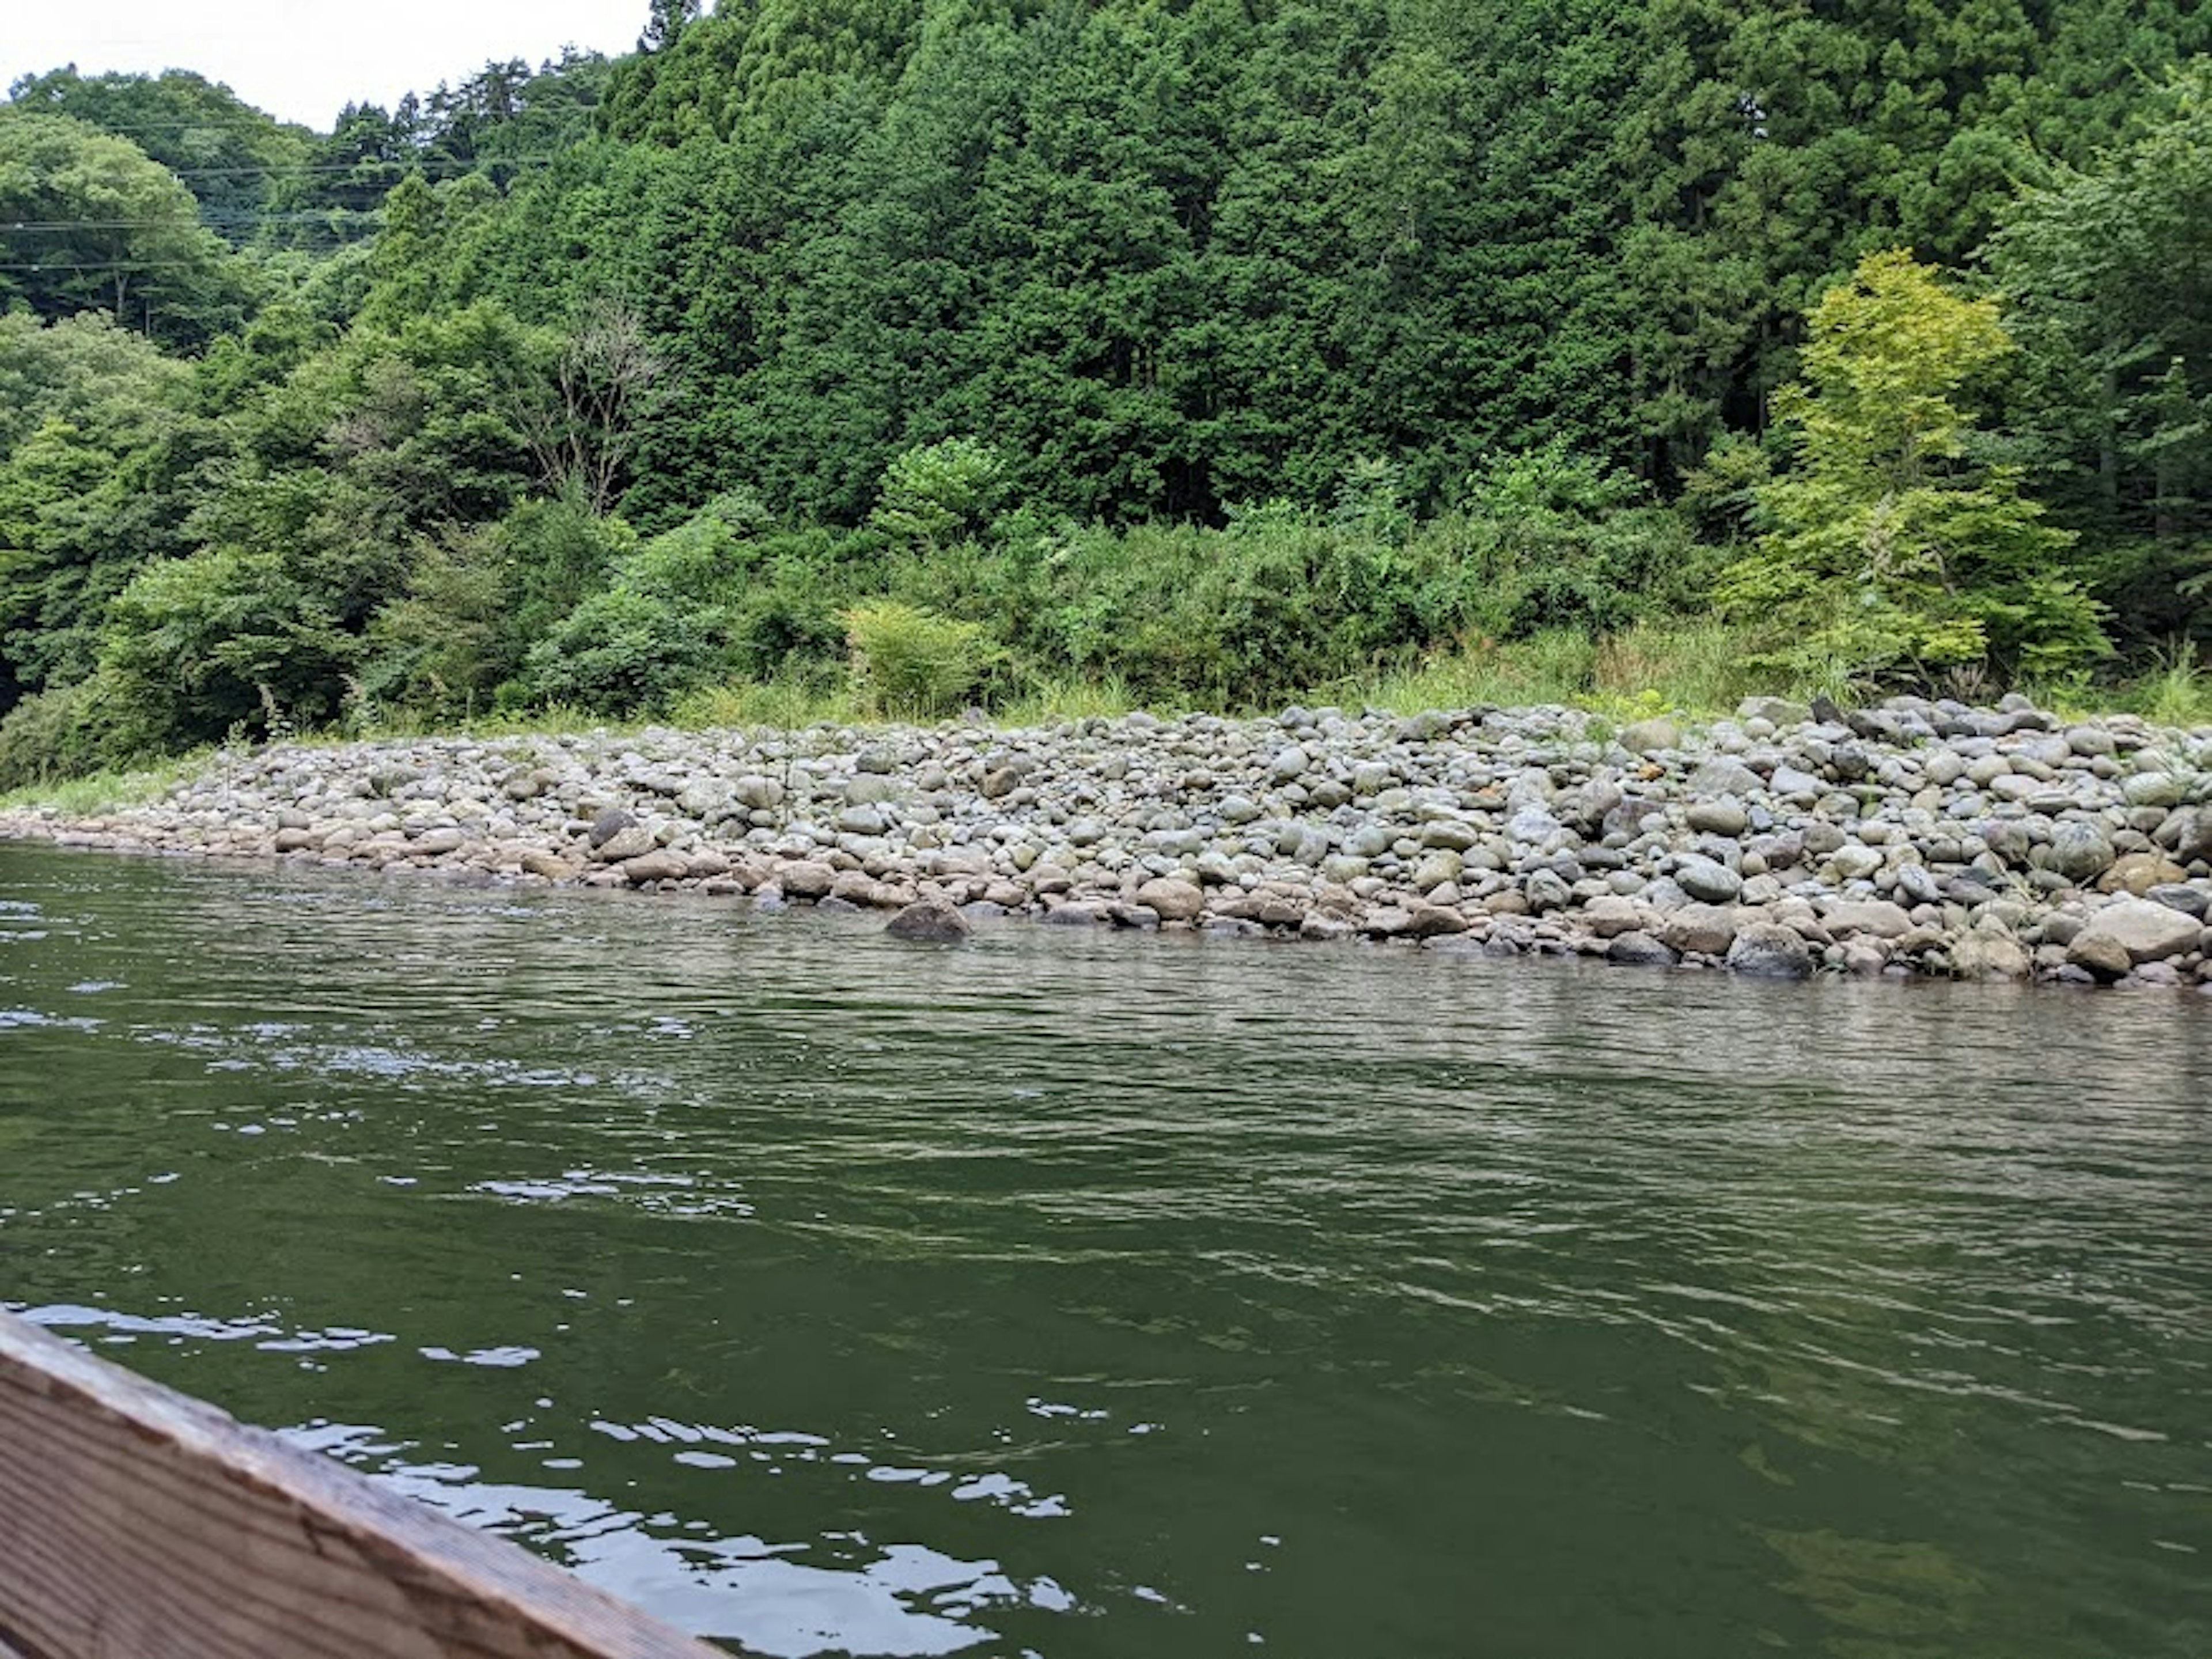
column 1913, row 838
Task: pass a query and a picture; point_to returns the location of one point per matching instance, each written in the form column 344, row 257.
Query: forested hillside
column 1214, row 350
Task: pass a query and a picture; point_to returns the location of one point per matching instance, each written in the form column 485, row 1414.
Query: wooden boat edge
column 137, row 1520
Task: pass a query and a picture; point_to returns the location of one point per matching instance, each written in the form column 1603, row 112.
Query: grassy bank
column 1695, row 670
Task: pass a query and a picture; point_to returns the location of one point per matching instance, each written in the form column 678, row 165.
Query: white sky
column 303, row 59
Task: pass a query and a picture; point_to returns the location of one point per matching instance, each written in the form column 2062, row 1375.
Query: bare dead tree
column 584, row 425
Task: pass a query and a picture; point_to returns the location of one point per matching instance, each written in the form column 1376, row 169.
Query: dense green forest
column 1215, row 351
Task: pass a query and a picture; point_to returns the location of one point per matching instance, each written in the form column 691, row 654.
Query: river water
column 1071, row 1294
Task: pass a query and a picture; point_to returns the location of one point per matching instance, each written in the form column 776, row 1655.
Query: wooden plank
column 136, row 1523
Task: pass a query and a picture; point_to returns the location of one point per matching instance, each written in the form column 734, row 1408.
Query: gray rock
column 1651, row 736
column 654, row 866
column 1609, row 916
column 1706, row 929
column 1075, row 914
column 1765, row 950
column 2090, row 740
column 1546, row 891
column 1989, row 956
column 1724, row 816
column 1722, row 775
column 609, row 824
column 2153, row 789
column 1708, row 882
column 2187, row 834
column 2189, row 901
column 2136, row 930
column 633, row 841
column 1877, row 918
column 1794, row 783
column 1852, row 862
column 1775, row 711
column 928, row 922
column 1171, row 899
column 1450, row 835
column 1432, row 921
column 806, row 880
column 758, row 793
column 1640, row 950
column 2081, row 852
column 1435, row 869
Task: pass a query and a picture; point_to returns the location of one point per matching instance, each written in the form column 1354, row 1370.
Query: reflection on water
column 1071, row 1294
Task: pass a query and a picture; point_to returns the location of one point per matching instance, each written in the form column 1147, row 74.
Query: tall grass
column 2177, row 691
column 785, row 703
column 97, row 793
column 1691, row 668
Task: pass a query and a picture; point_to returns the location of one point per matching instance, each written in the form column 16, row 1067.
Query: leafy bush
column 662, row 627
column 225, row 639
column 624, row 650
column 936, row 492
column 911, row 662
column 1561, row 542
column 56, row 734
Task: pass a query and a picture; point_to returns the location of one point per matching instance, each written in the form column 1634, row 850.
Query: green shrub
column 224, row 640
column 625, row 650
column 915, row 663
column 936, row 492
column 59, row 733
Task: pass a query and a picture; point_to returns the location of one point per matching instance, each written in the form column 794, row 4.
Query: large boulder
column 1766, row 950
column 806, row 880
column 1707, row 929
column 2130, row 933
column 632, row 841
column 929, row 922
column 1172, row 900
column 1639, row 950
column 1651, row 737
column 1878, row 917
column 656, row 865
column 2080, row 852
column 1708, row 882
column 1990, row 956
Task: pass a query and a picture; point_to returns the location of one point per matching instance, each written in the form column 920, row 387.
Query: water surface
column 1073, row 1295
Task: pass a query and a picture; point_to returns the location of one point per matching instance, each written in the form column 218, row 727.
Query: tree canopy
column 1226, row 347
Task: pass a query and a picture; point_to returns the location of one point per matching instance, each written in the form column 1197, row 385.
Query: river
column 1071, row 1294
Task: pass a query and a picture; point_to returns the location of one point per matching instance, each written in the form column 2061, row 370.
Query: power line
column 230, row 220
column 81, row 266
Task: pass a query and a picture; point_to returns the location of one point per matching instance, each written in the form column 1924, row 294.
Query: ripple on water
column 1081, row 1295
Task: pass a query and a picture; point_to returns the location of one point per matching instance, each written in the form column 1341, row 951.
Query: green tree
column 1894, row 551
column 229, row 153
column 2104, row 271
column 89, row 220
column 93, row 431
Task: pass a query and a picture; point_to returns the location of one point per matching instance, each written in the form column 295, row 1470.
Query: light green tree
column 87, row 219
column 1893, row 552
